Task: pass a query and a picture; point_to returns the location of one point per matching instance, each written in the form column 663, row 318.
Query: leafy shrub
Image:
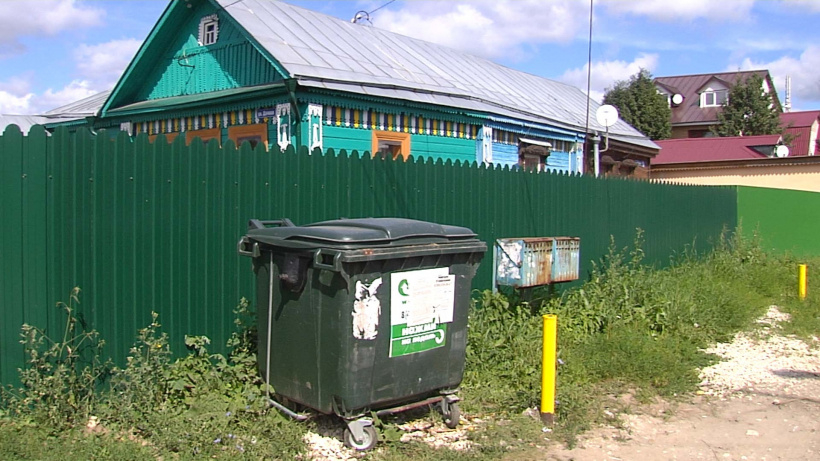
column 59, row 385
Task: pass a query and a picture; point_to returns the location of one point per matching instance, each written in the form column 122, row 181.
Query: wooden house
column 268, row 72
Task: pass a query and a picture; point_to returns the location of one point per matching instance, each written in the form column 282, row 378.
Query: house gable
column 174, row 62
column 701, row 96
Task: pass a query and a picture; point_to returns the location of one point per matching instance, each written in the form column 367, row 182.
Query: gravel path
column 760, row 403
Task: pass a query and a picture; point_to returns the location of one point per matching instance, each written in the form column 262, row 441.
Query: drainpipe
column 290, row 85
column 90, row 120
column 596, row 140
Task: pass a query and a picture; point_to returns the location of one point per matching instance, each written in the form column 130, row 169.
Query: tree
column 640, row 105
column 749, row 111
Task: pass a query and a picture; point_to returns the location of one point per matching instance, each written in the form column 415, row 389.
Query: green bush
column 59, row 385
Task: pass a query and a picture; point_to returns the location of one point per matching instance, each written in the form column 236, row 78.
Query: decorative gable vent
column 208, row 30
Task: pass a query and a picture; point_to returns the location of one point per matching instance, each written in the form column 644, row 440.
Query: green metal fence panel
column 144, row 227
column 11, row 249
column 785, row 220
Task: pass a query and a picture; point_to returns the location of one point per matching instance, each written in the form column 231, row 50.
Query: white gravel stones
column 762, row 362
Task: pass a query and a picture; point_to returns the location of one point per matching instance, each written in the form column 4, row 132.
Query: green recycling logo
column 403, row 287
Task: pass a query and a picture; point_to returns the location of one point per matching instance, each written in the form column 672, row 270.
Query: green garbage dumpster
column 361, row 315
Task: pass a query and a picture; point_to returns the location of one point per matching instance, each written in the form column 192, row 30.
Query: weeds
column 60, row 383
column 629, row 329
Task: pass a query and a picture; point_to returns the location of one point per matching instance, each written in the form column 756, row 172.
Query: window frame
column 394, row 138
column 213, row 35
column 169, row 137
column 205, row 135
column 238, row 132
column 719, row 97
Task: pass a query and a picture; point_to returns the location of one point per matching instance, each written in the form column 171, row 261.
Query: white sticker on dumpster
column 421, row 306
column 366, row 310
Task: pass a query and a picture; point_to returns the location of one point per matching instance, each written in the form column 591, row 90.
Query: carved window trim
column 208, row 30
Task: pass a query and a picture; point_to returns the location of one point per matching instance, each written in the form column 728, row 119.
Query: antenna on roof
column 365, row 15
column 787, row 105
column 362, row 14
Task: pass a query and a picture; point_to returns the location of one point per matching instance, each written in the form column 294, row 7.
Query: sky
column 66, row 50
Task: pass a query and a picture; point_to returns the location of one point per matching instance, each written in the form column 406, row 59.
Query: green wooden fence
column 141, row 226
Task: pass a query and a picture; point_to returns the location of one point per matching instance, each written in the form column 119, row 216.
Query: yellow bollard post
column 802, row 281
column 548, row 364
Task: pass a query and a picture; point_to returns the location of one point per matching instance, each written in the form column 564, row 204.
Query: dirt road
column 761, row 403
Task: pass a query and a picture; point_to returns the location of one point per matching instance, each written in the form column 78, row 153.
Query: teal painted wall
column 786, row 220
column 441, row 147
column 183, row 67
column 350, row 139
column 435, row 147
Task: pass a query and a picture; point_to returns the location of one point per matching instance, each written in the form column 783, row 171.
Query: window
column 254, row 134
column 532, row 154
column 391, row 143
column 208, row 30
column 667, row 96
column 205, row 135
column 713, row 98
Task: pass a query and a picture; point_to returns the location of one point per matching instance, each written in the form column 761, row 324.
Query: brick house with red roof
column 696, row 100
column 801, row 131
column 693, row 150
column 740, row 160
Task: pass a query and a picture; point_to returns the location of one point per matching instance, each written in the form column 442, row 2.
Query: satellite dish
column 606, row 115
column 677, row 98
column 781, row 151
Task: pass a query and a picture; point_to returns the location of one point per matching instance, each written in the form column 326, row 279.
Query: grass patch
column 24, row 441
column 630, row 329
column 805, row 314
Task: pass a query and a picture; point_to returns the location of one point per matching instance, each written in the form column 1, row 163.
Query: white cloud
column 19, row 18
column 812, row 6
column 11, row 103
column 101, row 65
column 683, row 10
column 606, row 73
column 98, row 68
column 493, row 29
column 74, row 91
column 802, row 70
column 15, row 96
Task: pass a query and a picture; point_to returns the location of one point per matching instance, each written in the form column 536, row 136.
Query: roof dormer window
column 208, row 30
column 713, row 98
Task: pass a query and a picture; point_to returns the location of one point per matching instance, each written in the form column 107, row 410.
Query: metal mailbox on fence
column 534, row 261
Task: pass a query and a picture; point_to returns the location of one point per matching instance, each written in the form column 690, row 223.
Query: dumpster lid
column 358, row 233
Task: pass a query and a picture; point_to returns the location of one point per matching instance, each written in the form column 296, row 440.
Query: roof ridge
column 705, row 74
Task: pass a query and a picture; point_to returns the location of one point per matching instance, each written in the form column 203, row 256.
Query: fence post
column 802, row 281
column 548, row 363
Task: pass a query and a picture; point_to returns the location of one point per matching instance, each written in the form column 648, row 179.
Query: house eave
column 724, row 164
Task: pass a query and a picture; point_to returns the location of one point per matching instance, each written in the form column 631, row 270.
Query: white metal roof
column 323, row 51
column 24, row 122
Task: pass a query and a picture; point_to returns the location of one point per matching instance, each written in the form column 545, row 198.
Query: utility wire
column 589, row 66
column 377, row 9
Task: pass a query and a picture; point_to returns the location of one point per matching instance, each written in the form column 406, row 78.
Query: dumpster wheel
column 369, row 437
column 452, row 415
